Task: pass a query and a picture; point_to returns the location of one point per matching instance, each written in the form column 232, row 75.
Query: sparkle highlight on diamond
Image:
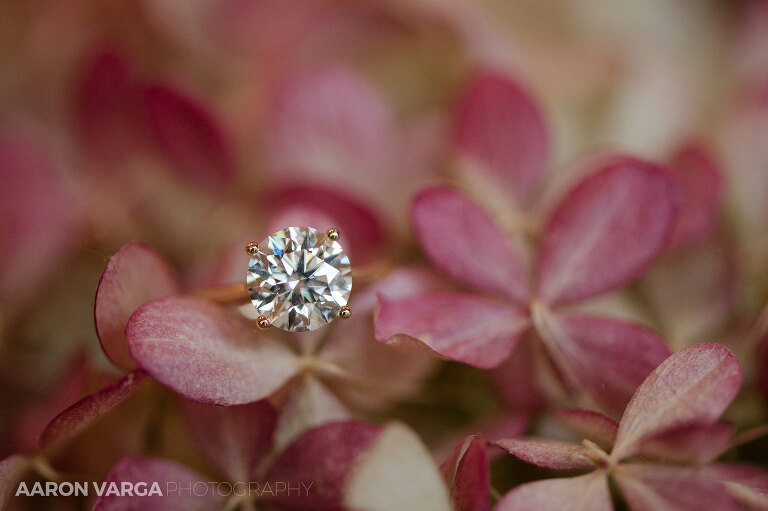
column 299, row 278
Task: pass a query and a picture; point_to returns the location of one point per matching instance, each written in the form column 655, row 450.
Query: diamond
column 299, row 279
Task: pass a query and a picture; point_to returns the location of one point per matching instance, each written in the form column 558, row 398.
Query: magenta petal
column 587, row 492
column 181, row 488
column 693, row 444
column 135, row 275
column 501, row 128
column 591, row 425
column 607, row 230
column 463, row 241
column 693, row 386
column 471, row 329
column 321, row 459
column 235, row 438
column 188, row 134
column 702, row 183
column 545, row 453
column 650, row 487
column 466, row 473
column 606, row 358
column 12, row 469
column 206, row 353
column 82, row 414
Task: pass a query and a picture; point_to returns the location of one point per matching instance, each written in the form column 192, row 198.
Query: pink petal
column 606, row 358
column 205, row 353
column 701, row 179
column 398, row 457
column 693, row 386
column 544, row 453
column 12, row 469
column 190, row 136
column 752, row 499
column 182, row 489
column 107, row 107
column 580, row 493
column 501, row 127
column 362, row 234
column 693, row 444
column 521, row 381
column 607, row 231
column 466, row 473
column 135, row 275
column 742, row 473
column 322, row 457
column 649, row 487
column 82, row 414
column 462, row 241
column 591, row 425
column 37, row 218
column 235, row 438
column 474, row 330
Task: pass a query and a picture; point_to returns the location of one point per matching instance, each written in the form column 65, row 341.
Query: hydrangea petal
column 604, row 357
column 692, row 444
column 413, row 482
column 546, row 453
column 522, row 380
column 500, row 127
column 322, row 457
column 171, row 478
column 135, row 275
column 607, row 231
column 591, row 425
column 189, row 135
column 235, row 438
column 466, row 473
column 471, row 329
column 701, row 180
column 693, row 386
column 80, row 415
column 206, row 353
column 589, row 491
column 464, row 242
column 648, row 487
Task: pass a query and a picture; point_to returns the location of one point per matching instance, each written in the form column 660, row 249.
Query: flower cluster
column 555, row 216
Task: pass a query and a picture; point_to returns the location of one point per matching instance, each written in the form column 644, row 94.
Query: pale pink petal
column 545, row 453
column 181, row 488
column 742, row 473
column 37, row 218
column 693, row 386
column 107, row 107
column 190, row 136
column 693, row 444
column 701, row 180
column 503, row 131
column 471, row 329
column 462, row 241
column 752, row 499
column 82, row 414
column 649, row 487
column 591, row 425
column 580, row 493
column 322, row 459
column 362, row 234
column 235, row 438
column 398, row 457
column 206, row 353
column 135, row 275
column 604, row 357
column 466, row 473
column 12, row 469
column 607, row 231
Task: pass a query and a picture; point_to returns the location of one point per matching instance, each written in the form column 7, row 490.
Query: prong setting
column 345, row 312
column 263, row 322
column 333, row 234
column 252, row 248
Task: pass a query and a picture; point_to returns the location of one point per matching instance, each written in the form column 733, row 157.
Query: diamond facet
column 299, row 279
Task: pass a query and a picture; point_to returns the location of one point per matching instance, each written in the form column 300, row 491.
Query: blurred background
column 196, row 126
